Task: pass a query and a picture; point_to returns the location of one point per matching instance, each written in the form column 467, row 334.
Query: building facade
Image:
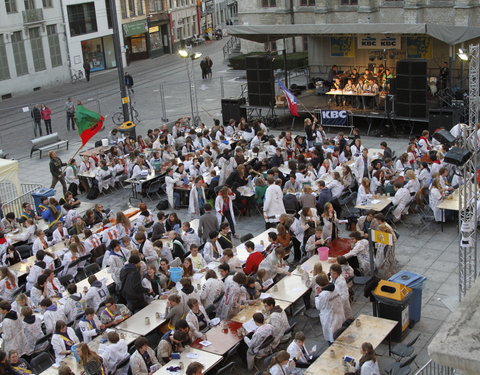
column 347, row 47
column 89, row 34
column 185, row 18
column 33, row 52
column 158, row 22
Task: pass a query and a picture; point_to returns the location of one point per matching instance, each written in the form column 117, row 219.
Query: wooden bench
column 47, row 142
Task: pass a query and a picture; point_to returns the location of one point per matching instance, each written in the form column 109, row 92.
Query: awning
column 135, row 28
column 264, row 33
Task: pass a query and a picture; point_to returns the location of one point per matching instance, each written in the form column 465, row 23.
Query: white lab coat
column 58, row 343
column 369, row 368
column 279, row 322
column 7, row 288
column 114, row 354
column 70, row 177
column 208, row 251
column 425, row 178
column 50, row 318
column 100, row 176
column 109, row 235
column 211, row 290
column 192, row 321
column 434, row 201
column 234, row 294
column 13, row 336
column 33, row 331
column 97, row 294
column 219, row 207
column 273, row 205
column 89, row 331
column 73, row 307
column 401, row 200
column 59, row 237
column 278, row 369
column 116, row 263
column 260, row 335
column 193, row 207
column 361, row 251
column 226, row 168
column 332, row 316
column 272, row 266
column 359, row 168
column 342, row 288
column 296, row 352
column 362, row 195
column 336, row 187
column 170, row 182
column 137, row 363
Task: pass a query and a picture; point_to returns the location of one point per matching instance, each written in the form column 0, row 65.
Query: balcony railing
column 32, row 16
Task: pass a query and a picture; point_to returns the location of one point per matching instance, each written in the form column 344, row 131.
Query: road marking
column 233, row 79
column 203, row 87
column 210, row 100
column 157, row 90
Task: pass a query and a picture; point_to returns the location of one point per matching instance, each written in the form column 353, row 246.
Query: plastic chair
column 92, row 269
column 65, row 280
column 58, row 270
column 41, row 362
column 399, row 368
column 226, row 370
column 246, row 237
column 211, row 311
column 125, row 362
column 20, row 290
column 400, row 351
column 153, row 188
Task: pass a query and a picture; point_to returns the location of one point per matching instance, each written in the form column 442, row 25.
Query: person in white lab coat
column 90, row 325
column 62, row 340
column 13, row 336
column 51, row 314
column 115, row 352
column 299, row 352
column 363, row 166
column 234, row 296
column 32, row 327
column 97, row 293
column 224, row 207
column 263, row 332
column 73, row 306
column 278, row 319
column 197, row 198
column 368, row 364
column 435, row 198
column 341, row 286
column 329, row 303
column 143, row 361
column 273, row 205
column 281, row 364
column 8, row 284
column 360, row 250
column 145, row 247
column 212, row 289
column 400, row 201
column 273, row 264
column 197, row 319
column 117, row 258
column 60, row 234
column 172, row 196
column 227, row 165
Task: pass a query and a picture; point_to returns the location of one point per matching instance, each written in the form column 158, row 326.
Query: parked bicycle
column 118, row 119
column 76, row 75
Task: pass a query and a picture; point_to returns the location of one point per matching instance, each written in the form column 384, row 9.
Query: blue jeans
column 176, row 199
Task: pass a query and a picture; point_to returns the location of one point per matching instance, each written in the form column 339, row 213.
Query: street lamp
column 462, row 54
column 187, row 54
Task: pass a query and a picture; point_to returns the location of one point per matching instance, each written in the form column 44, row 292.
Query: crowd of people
column 299, row 184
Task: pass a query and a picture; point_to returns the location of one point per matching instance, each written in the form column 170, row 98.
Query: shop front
column 136, row 40
column 99, row 52
column 158, row 38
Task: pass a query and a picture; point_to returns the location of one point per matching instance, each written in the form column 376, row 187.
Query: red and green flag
column 88, row 123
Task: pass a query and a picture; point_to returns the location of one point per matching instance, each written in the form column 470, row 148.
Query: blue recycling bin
column 38, row 194
column 416, row 282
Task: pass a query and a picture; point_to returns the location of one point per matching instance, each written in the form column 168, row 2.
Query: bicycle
column 117, row 117
column 76, row 75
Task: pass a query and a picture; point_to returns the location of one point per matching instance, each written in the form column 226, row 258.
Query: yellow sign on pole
column 382, row 237
column 125, row 100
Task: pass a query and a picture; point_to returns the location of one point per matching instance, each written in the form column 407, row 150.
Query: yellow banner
column 382, row 237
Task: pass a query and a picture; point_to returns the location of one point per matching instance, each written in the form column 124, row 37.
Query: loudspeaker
column 457, row 156
column 411, row 88
column 261, row 90
column 445, row 118
column 231, row 108
column 444, row 137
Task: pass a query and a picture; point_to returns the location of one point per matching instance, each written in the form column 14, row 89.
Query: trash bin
column 416, row 282
column 392, row 300
column 38, row 194
column 128, row 127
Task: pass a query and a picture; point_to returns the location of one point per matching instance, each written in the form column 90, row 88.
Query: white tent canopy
column 265, row 33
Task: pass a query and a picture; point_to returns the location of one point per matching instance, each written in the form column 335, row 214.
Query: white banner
column 378, row 41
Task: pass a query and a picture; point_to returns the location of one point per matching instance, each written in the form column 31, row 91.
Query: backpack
column 93, row 193
column 162, row 205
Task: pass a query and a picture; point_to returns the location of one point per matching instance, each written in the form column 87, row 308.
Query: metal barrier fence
column 11, row 202
column 432, row 368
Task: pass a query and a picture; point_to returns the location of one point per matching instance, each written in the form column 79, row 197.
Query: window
column 82, row 19
column 349, row 2
column 11, row 6
column 4, row 72
column 269, row 3
column 109, row 13
column 307, row 3
column 29, row 4
column 18, row 46
column 155, row 5
column 37, row 49
column 139, row 7
column 54, row 45
column 131, row 7
column 123, row 7
column 47, row 3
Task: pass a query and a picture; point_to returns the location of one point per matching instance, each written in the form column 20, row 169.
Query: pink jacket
column 46, row 113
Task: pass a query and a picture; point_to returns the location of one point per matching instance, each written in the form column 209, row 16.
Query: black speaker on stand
column 445, row 118
column 261, row 90
column 231, row 108
column 411, row 89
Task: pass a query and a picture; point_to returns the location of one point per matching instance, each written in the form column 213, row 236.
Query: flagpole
column 73, row 157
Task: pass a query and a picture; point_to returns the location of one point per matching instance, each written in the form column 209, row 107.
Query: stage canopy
column 265, row 33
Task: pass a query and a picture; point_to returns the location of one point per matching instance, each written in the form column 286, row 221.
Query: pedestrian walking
column 70, row 109
column 56, row 171
column 37, row 119
column 209, row 66
column 86, row 67
column 47, row 118
column 203, row 66
column 129, row 82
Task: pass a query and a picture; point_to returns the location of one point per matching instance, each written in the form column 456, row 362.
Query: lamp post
column 186, row 54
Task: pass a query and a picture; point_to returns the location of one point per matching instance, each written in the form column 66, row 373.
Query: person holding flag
column 291, row 99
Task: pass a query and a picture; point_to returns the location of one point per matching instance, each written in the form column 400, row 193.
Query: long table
column 247, row 313
column 383, row 201
column 100, row 275
column 136, row 323
column 371, row 329
column 242, row 252
column 222, row 340
column 208, row 360
column 288, row 289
